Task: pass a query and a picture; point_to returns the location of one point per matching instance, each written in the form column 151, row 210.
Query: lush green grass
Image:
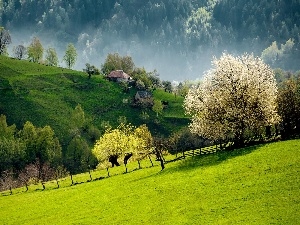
column 47, row 95
column 255, row 185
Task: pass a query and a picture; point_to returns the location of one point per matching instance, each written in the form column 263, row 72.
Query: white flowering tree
column 236, row 99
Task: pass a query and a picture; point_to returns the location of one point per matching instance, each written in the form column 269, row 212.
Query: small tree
column 20, row 52
column 51, row 57
column 7, row 180
column 90, row 69
column 5, row 40
column 70, row 56
column 236, row 98
column 145, row 145
column 289, row 107
column 167, row 86
column 157, row 107
column 41, row 146
column 117, row 62
column 77, row 156
column 124, row 141
column 112, row 145
column 35, row 50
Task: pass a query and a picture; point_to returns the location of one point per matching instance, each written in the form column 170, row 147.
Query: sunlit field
column 254, row 185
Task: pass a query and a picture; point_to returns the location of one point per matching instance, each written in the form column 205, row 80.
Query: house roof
column 118, row 74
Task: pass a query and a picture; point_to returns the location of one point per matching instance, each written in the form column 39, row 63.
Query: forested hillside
column 178, row 37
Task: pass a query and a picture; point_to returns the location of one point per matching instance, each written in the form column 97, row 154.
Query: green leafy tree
column 78, row 156
column 236, row 99
column 5, row 40
column 12, row 149
column 167, row 86
column 117, row 62
column 143, row 79
column 157, row 107
column 70, row 56
column 77, row 121
column 51, row 57
column 5, row 130
column 41, row 147
column 289, row 107
column 35, row 50
column 91, row 70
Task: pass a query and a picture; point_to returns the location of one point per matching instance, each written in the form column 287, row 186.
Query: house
column 119, row 76
column 144, row 97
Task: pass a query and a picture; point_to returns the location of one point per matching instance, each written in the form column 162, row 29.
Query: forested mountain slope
column 178, row 37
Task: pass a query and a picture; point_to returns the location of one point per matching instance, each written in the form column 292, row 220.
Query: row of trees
column 38, row 154
column 35, row 51
column 30, row 153
column 34, row 154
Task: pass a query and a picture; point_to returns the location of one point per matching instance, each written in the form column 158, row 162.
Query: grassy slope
column 256, row 185
column 47, row 95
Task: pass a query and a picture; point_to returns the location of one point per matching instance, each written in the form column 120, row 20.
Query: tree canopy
column 51, row 57
column 125, row 139
column 70, row 56
column 236, row 99
column 35, row 50
column 117, row 62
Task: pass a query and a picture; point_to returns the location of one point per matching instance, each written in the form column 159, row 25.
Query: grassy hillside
column 48, row 95
column 255, row 185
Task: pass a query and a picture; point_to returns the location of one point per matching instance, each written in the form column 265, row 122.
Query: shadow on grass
column 192, row 163
column 202, row 161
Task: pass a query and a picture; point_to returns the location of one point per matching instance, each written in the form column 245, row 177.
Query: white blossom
column 237, row 97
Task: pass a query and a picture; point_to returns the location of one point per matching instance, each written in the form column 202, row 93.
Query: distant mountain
column 178, row 37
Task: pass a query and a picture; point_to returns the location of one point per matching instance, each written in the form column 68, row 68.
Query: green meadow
column 253, row 185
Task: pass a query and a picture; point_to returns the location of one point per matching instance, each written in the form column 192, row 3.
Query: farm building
column 119, row 76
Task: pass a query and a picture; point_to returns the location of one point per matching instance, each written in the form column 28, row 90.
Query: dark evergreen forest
column 178, row 37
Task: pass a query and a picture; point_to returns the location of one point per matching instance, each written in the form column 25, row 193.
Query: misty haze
column 177, row 38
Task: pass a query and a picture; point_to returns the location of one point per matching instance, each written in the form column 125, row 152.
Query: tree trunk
column 159, row 157
column 90, row 175
column 113, row 159
column 43, row 185
column 162, row 164
column 127, row 157
column 72, row 179
column 107, row 172
column 268, row 131
column 125, row 168
column 139, row 164
column 239, row 139
column 150, row 160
